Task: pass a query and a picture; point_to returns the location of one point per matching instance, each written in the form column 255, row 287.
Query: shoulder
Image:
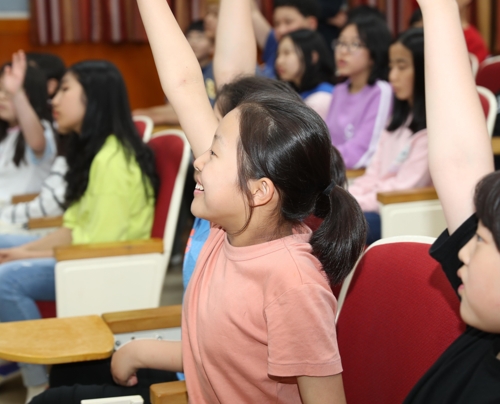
column 295, row 267
column 382, row 89
column 112, row 151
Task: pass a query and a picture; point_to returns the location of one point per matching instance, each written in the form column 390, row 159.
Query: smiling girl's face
column 480, row 289
column 217, row 196
column 7, row 112
column 68, row 105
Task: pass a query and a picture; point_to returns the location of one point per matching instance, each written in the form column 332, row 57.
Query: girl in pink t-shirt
column 259, row 314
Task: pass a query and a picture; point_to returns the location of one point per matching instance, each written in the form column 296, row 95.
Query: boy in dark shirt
column 469, row 251
column 288, row 16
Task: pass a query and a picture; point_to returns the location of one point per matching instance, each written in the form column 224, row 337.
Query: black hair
column 52, row 65
column 308, row 8
column 308, row 42
column 232, row 94
column 376, row 37
column 35, row 87
column 286, row 141
column 196, row 26
column 416, row 17
column 107, row 112
column 364, row 11
column 487, row 202
column 413, row 40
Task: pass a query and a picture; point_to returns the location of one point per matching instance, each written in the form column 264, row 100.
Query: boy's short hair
column 52, row 65
column 364, row 11
column 308, row 8
column 196, row 26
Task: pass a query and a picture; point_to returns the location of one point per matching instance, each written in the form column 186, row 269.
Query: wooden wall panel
column 135, row 61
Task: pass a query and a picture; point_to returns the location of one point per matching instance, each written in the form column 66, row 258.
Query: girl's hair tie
column 329, row 188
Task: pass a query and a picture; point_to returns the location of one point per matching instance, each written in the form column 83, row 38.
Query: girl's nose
column 465, row 251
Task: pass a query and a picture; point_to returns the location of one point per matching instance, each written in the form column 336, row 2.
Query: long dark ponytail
column 107, row 112
column 286, row 141
column 35, row 87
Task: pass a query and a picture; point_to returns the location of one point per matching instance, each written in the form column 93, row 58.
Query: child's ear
column 263, row 191
column 312, row 23
column 52, row 85
column 314, row 57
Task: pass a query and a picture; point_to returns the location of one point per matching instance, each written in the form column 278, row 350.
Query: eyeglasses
column 348, row 47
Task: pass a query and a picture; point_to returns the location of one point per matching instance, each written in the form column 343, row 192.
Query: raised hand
column 13, row 76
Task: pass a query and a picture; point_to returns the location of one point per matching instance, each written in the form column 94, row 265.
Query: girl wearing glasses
column 361, row 105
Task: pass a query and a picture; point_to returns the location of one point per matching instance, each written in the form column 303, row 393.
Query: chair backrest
column 474, row 63
column 490, row 107
column 488, row 74
column 172, row 154
column 144, row 125
column 397, row 314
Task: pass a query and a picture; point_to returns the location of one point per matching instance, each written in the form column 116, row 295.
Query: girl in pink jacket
column 400, row 160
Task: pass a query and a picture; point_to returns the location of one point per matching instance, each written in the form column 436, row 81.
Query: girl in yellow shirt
column 110, row 194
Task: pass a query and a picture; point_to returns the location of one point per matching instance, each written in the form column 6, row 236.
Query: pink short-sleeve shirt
column 254, row 319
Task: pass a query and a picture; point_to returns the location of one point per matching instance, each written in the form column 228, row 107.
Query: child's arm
column 145, row 354
column 180, row 74
column 321, row 390
column 459, row 147
column 261, row 27
column 235, row 49
column 32, row 129
column 42, row 248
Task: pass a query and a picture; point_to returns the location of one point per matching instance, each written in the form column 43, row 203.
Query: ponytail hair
column 286, row 141
column 340, row 239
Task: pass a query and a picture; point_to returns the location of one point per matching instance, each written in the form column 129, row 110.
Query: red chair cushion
column 399, row 316
column 47, row 308
column 485, row 104
column 488, row 76
column 141, row 127
column 168, row 150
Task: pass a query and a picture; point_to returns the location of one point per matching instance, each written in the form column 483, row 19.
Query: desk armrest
column 45, row 222
column 99, row 250
column 168, row 393
column 23, row 198
column 142, row 320
column 351, row 174
column 495, row 144
column 410, row 195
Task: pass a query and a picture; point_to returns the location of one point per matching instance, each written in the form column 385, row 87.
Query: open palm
column 13, row 76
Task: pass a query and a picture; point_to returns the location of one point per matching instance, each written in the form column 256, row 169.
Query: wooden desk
column 495, row 144
column 56, row 340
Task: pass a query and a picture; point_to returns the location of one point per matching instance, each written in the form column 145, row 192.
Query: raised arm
column 261, row 27
column 459, row 148
column 235, row 48
column 27, row 118
column 180, row 74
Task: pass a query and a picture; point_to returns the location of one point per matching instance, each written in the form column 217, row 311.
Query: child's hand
column 123, row 367
column 13, row 76
column 13, row 254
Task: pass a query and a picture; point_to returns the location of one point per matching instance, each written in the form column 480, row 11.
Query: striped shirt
column 49, row 202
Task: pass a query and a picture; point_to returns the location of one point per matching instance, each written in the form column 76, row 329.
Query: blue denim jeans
column 21, row 283
column 15, row 240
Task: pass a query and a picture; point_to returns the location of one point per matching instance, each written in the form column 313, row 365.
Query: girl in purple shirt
column 361, row 105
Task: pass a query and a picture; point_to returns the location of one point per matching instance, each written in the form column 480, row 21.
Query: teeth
column 199, row 187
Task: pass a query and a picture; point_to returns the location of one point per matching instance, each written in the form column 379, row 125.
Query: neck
column 204, row 61
column 358, row 82
column 464, row 17
column 258, row 232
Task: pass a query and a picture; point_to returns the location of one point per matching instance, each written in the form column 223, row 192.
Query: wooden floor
column 13, row 392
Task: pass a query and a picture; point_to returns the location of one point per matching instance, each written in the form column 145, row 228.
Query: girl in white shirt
column 27, row 146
